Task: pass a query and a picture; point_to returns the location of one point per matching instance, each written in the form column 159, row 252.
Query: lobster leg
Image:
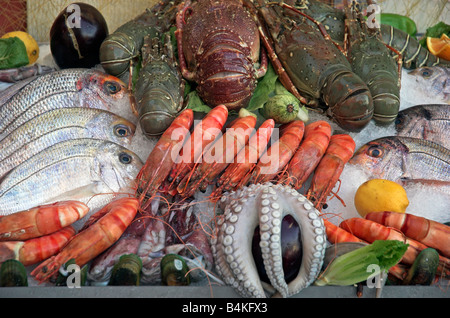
column 276, row 63
column 319, row 25
column 179, row 35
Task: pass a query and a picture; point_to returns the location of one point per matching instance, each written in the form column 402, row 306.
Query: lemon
column 30, row 44
column 379, row 195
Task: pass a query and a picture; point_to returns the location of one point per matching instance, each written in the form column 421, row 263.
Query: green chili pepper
column 400, row 22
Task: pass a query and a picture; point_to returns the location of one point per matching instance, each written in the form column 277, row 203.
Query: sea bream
column 404, row 159
column 62, row 89
column 75, row 169
column 60, row 125
column 429, row 122
column 425, row 85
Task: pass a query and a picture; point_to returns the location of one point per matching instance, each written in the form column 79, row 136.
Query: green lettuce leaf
column 265, row 88
column 358, row 265
column 13, row 53
column 435, row 32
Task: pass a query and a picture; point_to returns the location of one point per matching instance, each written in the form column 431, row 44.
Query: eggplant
column 291, row 250
column 76, row 36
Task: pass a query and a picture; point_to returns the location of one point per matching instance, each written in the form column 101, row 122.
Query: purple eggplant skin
column 291, row 250
column 76, row 43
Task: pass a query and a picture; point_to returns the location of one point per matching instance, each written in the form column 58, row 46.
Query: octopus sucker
column 264, row 206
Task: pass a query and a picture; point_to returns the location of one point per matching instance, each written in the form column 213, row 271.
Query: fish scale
column 79, row 168
column 429, row 122
column 66, row 88
column 35, row 91
column 60, row 125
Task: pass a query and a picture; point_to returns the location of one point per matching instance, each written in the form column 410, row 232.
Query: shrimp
column 101, row 231
column 40, row 221
column 36, row 250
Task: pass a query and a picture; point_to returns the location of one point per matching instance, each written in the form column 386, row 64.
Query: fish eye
column 427, row 72
column 375, row 151
column 125, row 158
column 399, row 120
column 112, row 88
column 121, row 131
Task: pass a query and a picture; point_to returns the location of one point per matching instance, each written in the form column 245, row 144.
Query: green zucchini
column 424, row 268
column 13, row 274
column 174, row 271
column 127, row 272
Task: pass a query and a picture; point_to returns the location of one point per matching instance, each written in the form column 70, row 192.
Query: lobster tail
column 386, row 100
column 350, row 101
column 226, row 77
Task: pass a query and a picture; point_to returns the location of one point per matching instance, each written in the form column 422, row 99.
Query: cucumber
column 424, row 268
column 283, row 109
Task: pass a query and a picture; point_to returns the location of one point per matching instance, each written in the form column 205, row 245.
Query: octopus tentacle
column 265, row 205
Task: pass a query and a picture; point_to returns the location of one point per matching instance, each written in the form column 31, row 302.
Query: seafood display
column 135, row 182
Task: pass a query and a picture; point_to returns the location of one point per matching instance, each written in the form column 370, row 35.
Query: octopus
column 265, row 205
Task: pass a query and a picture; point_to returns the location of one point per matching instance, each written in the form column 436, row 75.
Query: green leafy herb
column 435, row 32
column 265, row 88
column 195, row 103
column 400, row 22
column 13, row 53
column 360, row 264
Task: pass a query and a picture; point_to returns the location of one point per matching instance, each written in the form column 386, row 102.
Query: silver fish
column 62, row 89
column 429, row 122
column 404, row 159
column 425, row 85
column 74, row 169
column 59, row 125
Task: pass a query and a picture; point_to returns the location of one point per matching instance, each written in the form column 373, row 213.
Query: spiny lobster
column 219, row 49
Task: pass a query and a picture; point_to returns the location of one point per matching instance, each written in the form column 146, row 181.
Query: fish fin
column 83, row 192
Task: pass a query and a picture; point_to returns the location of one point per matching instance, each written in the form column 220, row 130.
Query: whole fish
column 429, row 122
column 425, row 85
column 404, row 159
column 73, row 169
column 59, row 125
column 62, row 89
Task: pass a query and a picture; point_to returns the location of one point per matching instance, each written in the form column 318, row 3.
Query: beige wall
column 42, row 13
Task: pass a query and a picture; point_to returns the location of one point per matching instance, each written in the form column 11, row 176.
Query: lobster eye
column 125, row 158
column 375, row 151
column 112, row 88
column 121, row 131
